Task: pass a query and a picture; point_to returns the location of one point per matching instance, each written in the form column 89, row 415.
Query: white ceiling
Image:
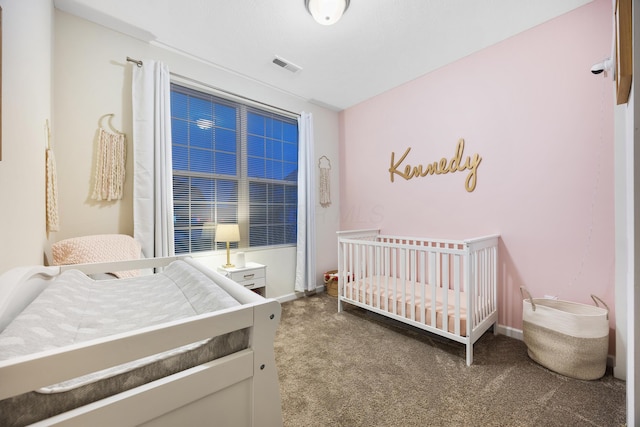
column 378, row 44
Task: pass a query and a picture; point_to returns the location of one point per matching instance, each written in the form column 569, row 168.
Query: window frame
column 242, row 179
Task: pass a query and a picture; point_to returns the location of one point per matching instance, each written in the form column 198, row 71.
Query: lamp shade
column 227, row 233
column 326, row 12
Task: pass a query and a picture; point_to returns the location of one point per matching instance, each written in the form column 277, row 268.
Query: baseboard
column 288, row 297
column 510, row 332
column 296, row 295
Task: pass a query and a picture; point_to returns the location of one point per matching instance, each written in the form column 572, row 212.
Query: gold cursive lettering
column 455, row 164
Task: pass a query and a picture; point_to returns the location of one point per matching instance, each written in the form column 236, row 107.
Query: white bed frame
column 407, row 268
column 240, row 389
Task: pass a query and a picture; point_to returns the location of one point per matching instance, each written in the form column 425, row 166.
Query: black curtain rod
column 139, row 64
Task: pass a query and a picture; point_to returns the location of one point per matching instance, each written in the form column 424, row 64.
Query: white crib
column 447, row 287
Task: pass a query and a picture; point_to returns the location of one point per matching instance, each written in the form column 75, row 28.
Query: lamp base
column 228, row 264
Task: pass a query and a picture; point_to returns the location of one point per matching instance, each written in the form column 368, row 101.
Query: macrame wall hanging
column 110, row 163
column 325, row 182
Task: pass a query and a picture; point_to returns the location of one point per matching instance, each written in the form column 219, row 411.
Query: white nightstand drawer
column 252, row 284
column 252, row 274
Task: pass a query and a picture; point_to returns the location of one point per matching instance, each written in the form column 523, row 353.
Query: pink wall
column 543, row 125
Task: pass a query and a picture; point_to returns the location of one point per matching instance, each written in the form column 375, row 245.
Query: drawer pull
column 248, row 285
column 249, row 276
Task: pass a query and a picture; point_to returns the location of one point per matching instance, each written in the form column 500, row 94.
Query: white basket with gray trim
column 569, row 338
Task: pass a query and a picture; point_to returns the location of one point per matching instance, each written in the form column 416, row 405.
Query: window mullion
column 243, row 182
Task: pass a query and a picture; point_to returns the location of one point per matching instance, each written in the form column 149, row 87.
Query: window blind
column 232, row 163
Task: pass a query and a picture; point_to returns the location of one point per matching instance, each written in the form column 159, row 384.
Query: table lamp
column 228, row 233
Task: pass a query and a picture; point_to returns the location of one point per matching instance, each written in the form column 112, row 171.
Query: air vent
column 287, row 65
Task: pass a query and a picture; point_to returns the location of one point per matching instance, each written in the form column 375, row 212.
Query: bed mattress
column 374, row 290
column 75, row 308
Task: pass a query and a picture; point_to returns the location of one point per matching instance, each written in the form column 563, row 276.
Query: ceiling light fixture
column 326, row 12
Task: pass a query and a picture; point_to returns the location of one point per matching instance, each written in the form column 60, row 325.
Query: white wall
column 626, row 242
column 622, row 162
column 633, row 190
column 628, row 238
column 27, row 28
column 93, row 78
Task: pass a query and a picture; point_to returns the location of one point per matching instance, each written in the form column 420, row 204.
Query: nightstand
column 251, row 276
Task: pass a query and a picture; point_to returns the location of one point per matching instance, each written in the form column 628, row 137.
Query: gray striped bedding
column 76, row 308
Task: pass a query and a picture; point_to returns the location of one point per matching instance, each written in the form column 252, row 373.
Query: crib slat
column 371, row 273
column 481, row 307
column 434, row 285
column 387, row 254
column 472, row 285
column 353, row 268
column 478, row 301
column 423, row 279
column 479, row 284
column 414, row 282
column 349, row 264
column 485, row 282
column 403, row 281
column 456, row 289
column 367, row 273
column 445, row 291
column 346, row 267
column 356, row 270
column 350, row 267
column 361, row 272
column 474, row 278
column 341, row 269
column 377, row 275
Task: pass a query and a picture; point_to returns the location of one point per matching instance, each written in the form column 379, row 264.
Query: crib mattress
column 75, row 308
column 374, row 290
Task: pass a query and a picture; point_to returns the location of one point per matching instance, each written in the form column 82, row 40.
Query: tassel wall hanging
column 52, row 219
column 110, row 165
column 325, row 182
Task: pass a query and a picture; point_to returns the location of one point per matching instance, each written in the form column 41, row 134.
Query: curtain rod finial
column 135, row 61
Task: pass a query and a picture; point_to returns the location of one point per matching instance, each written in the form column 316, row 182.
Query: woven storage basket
column 569, row 338
column 331, row 282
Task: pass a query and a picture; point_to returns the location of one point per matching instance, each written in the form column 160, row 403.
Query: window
column 232, row 163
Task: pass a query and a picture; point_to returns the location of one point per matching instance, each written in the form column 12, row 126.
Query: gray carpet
column 358, row 369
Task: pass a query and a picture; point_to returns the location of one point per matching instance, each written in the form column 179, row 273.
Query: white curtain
column 153, row 189
column 306, row 248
